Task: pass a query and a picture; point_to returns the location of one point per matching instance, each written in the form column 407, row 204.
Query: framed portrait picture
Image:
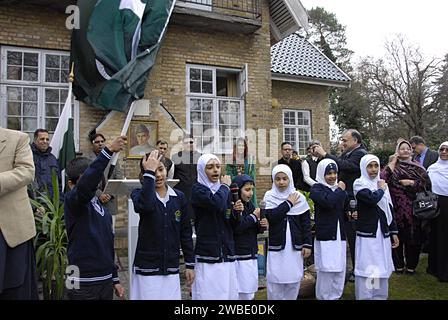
column 142, row 138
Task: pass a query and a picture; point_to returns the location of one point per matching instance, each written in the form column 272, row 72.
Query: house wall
column 292, row 95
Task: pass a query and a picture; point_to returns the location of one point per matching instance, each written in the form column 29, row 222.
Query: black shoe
column 399, row 270
column 410, row 272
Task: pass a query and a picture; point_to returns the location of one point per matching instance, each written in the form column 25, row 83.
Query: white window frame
column 41, row 85
column 297, row 126
column 217, row 148
column 206, row 5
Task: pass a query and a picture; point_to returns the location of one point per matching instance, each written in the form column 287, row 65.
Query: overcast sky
column 370, row 22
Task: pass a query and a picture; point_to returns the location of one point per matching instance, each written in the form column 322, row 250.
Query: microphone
column 262, row 212
column 352, row 207
column 234, row 190
column 235, row 197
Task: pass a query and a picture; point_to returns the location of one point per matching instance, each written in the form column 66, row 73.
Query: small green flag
column 115, row 48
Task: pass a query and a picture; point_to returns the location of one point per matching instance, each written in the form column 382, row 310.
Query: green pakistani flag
column 63, row 143
column 115, row 48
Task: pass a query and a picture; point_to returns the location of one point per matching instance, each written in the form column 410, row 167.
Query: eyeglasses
column 99, row 141
column 443, row 149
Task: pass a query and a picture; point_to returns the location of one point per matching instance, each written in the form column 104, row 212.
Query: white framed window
column 33, row 89
column 215, row 106
column 297, row 129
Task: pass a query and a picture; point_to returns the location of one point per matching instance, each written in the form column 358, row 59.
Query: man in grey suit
column 422, row 153
column 17, row 226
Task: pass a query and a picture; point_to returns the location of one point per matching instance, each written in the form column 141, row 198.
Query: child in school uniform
column 89, row 229
column 374, row 229
column 214, row 224
column 164, row 228
column 246, row 245
column 329, row 198
column 288, row 215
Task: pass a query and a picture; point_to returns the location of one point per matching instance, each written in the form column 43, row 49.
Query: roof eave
column 308, row 80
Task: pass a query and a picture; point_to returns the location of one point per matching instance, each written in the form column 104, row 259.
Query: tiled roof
column 297, row 57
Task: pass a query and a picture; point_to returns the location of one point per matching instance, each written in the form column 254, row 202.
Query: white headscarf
column 275, row 197
column 320, row 173
column 202, row 176
column 365, row 182
column 438, row 173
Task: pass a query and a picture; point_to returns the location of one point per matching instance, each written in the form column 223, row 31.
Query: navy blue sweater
column 89, row 227
column 300, row 226
column 246, row 230
column 214, row 223
column 161, row 231
column 328, row 210
column 369, row 213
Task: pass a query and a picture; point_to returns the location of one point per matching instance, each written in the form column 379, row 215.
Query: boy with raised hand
column 89, row 229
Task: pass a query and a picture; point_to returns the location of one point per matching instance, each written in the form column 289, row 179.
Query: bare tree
column 402, row 84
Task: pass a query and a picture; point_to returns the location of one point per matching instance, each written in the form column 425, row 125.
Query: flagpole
column 124, row 130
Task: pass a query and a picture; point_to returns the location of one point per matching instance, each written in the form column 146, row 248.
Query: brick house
column 223, row 65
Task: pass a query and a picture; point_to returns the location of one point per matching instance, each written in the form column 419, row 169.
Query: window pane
column 14, row 124
column 30, row 59
column 234, row 106
column 223, row 118
column 65, row 61
column 196, row 117
column 29, row 124
column 51, row 123
column 195, row 104
column 52, row 61
column 29, row 94
column 195, row 86
column 289, row 118
column 14, row 58
column 30, row 74
column 207, row 117
column 207, row 87
column 64, row 76
column 195, row 74
column 207, row 75
column 52, row 110
column 51, row 95
column 30, row 109
column 14, row 94
column 14, row 109
column 207, row 105
column 52, row 75
column 14, row 73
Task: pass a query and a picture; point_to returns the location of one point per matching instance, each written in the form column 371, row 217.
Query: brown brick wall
column 38, row 27
column 33, row 26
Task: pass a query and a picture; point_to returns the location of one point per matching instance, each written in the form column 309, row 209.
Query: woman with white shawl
column 438, row 241
column 330, row 245
column 288, row 214
column 374, row 227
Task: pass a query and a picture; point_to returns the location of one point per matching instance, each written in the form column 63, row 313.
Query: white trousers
column 246, row 296
column 283, row 291
column 371, row 288
column 330, row 285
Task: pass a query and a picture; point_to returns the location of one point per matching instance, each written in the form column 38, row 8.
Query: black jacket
column 348, row 167
column 89, row 227
column 329, row 208
column 300, row 226
column 45, row 163
column 185, row 169
column 246, row 230
column 431, row 157
column 161, row 231
column 369, row 213
column 214, row 224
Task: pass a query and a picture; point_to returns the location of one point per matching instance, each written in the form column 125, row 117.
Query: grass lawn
column 420, row 286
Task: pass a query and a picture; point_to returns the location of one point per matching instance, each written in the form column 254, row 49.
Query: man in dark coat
column 294, row 165
column 349, row 171
column 185, row 168
column 44, row 162
column 422, row 153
